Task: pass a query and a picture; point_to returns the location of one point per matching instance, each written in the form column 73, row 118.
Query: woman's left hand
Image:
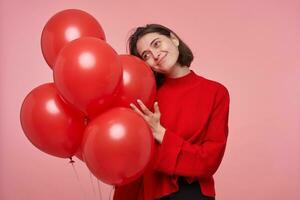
column 153, row 119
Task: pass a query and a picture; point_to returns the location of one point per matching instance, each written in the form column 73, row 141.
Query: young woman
column 189, row 122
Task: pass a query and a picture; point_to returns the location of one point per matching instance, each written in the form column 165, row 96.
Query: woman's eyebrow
column 153, row 41
column 150, row 45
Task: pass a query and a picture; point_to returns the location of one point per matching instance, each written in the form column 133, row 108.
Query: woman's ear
column 174, row 39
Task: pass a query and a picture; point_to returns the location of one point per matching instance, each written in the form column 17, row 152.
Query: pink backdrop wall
column 252, row 47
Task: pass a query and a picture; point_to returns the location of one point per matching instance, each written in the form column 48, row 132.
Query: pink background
column 250, row 46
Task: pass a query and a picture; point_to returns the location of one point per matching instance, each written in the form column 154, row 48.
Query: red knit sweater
column 194, row 111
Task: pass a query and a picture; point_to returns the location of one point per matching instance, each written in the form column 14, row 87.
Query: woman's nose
column 156, row 55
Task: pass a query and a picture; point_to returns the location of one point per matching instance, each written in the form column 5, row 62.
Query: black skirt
column 187, row 192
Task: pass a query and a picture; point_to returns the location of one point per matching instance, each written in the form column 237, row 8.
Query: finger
column 144, row 108
column 156, row 107
column 136, row 109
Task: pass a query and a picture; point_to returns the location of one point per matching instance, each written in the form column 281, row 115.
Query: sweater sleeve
column 179, row 157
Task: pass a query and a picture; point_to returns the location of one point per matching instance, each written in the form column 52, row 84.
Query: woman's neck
column 178, row 71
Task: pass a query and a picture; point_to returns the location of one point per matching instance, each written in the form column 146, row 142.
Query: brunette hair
column 185, row 57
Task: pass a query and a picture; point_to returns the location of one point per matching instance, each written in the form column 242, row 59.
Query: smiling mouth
column 162, row 59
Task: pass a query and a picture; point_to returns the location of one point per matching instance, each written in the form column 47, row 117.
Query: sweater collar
column 183, row 79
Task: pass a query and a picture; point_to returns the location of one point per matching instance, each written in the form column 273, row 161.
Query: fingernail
column 138, row 100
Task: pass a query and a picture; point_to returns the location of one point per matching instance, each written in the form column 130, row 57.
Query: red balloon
column 50, row 124
column 64, row 27
column 118, row 146
column 138, row 82
column 79, row 153
column 87, row 74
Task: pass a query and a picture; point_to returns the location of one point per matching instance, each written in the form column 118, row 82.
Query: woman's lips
column 162, row 59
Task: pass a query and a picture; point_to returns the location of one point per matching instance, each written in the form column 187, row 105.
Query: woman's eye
column 145, row 56
column 156, row 44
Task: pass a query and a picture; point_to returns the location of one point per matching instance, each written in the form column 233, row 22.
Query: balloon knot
column 71, row 160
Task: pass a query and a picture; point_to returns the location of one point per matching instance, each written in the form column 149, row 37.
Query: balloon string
column 77, row 177
column 99, row 189
column 113, row 188
column 91, row 179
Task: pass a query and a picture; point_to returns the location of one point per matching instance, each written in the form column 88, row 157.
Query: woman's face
column 159, row 51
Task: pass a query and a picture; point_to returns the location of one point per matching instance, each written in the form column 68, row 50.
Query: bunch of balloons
column 85, row 112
